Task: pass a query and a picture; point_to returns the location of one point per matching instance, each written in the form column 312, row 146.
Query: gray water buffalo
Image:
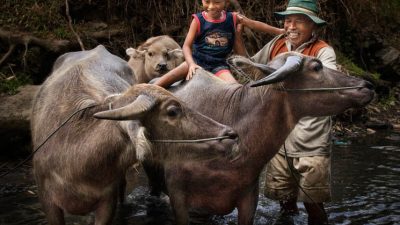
column 102, row 126
column 263, row 116
column 154, row 58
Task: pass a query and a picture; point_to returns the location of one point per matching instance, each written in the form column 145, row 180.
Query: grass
column 10, row 85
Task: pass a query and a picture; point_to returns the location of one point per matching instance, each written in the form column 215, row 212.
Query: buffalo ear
column 177, row 53
column 133, row 111
column 177, row 56
column 246, row 68
column 134, row 53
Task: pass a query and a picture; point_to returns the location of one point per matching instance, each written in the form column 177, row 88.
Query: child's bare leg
column 176, row 74
column 226, row 75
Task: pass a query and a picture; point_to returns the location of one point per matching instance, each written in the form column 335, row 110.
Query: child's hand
column 192, row 70
column 282, row 31
column 241, row 19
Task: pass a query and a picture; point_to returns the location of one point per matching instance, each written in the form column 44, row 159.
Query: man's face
column 298, row 29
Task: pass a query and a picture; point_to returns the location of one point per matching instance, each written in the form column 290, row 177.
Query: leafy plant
column 10, row 85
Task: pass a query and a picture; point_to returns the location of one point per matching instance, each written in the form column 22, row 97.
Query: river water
column 365, row 190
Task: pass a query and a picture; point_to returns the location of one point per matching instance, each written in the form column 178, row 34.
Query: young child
column 212, row 36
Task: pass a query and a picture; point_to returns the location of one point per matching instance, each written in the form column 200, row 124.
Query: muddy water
column 365, row 190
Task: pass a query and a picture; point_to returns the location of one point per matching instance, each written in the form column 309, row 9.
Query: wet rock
column 389, row 58
column 371, row 131
column 14, row 122
column 378, row 125
column 396, row 126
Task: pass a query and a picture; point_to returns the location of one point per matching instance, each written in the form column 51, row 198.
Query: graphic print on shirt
column 216, row 38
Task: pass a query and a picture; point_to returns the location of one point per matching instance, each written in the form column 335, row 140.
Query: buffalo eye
column 166, row 55
column 316, row 66
column 174, row 111
column 150, row 54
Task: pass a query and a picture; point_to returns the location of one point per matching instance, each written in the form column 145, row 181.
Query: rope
column 192, row 140
column 69, row 118
column 37, row 149
column 240, row 72
column 297, row 182
column 244, row 75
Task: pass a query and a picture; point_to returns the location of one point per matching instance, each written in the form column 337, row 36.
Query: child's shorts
column 311, row 173
column 213, row 65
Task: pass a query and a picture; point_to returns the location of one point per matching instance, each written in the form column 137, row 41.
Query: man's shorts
column 312, row 174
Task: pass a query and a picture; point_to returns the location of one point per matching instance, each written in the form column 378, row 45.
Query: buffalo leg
column 105, row 211
column 179, row 208
column 122, row 189
column 54, row 214
column 155, row 175
column 247, row 206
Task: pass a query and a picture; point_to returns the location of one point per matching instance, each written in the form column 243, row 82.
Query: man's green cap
column 305, row 7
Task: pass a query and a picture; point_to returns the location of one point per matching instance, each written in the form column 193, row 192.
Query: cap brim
column 315, row 19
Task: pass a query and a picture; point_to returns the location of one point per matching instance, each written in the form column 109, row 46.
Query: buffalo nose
column 369, row 85
column 231, row 134
column 161, row 67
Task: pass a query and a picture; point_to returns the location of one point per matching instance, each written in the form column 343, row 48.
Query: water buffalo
column 263, row 116
column 112, row 126
column 154, row 58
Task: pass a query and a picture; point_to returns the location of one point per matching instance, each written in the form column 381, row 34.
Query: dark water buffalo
column 79, row 169
column 263, row 117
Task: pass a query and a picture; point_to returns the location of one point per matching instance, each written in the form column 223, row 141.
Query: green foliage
column 388, row 101
column 10, row 85
column 39, row 17
column 348, row 64
column 62, row 33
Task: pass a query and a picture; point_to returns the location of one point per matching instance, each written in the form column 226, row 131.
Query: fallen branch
column 14, row 39
column 19, row 38
column 105, row 34
column 8, row 53
column 71, row 27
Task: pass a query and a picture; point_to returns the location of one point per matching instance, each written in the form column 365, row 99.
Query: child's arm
column 187, row 49
column 238, row 45
column 259, row 26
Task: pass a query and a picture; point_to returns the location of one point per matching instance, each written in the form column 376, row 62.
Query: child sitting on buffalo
column 213, row 34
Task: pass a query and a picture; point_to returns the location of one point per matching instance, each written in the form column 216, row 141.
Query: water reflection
column 365, row 190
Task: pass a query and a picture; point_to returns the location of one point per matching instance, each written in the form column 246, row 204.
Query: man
column 307, row 148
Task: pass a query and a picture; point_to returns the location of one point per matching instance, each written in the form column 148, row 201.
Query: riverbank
column 378, row 115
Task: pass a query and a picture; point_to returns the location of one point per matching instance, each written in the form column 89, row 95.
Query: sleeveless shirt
column 214, row 40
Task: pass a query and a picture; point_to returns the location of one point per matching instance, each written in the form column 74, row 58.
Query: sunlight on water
column 365, row 190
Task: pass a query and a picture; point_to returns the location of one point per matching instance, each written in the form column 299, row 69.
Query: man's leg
column 289, row 206
column 315, row 182
column 279, row 185
column 316, row 213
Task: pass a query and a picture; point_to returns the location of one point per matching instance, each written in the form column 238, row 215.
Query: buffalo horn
column 132, row 111
column 264, row 68
column 291, row 65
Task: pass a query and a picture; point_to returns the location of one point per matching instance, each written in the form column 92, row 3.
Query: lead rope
column 248, row 79
column 191, row 140
column 110, row 106
column 297, row 182
column 55, row 131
